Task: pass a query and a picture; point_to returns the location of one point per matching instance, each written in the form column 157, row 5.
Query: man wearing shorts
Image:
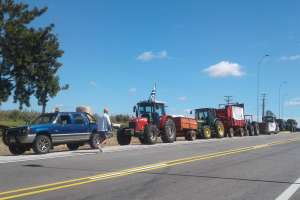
column 104, row 128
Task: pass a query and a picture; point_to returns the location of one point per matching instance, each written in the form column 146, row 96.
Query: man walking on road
column 104, row 128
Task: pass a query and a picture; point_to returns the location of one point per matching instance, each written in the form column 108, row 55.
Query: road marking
column 285, row 195
column 29, row 191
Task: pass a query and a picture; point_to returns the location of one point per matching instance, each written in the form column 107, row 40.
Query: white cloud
column 293, row 102
column 290, row 58
column 93, row 83
column 149, row 55
column 132, row 90
column 182, row 98
column 223, row 69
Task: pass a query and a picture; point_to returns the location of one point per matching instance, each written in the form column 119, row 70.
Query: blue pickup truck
column 71, row 128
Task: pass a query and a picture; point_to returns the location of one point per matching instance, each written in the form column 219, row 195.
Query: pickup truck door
column 80, row 127
column 63, row 129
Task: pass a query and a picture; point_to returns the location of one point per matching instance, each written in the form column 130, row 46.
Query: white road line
column 285, row 195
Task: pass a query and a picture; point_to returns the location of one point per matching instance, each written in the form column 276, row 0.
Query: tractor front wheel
column 169, row 133
column 150, row 134
column 206, row 132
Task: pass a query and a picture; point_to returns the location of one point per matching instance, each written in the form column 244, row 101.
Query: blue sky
column 196, row 52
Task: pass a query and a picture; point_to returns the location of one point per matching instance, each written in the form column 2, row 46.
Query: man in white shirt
column 104, row 127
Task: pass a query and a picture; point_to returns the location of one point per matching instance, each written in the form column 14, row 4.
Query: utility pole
column 228, row 99
column 264, row 95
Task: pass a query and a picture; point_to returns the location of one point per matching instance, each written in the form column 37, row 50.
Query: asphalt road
column 263, row 167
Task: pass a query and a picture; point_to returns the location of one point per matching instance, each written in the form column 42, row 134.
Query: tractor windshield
column 201, row 115
column 145, row 109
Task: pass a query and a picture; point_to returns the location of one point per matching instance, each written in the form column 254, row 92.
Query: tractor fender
column 163, row 120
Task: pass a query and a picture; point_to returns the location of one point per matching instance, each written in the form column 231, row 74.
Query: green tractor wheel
column 220, row 131
column 206, row 132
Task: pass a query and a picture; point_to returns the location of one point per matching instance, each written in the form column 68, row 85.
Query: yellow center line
column 28, row 191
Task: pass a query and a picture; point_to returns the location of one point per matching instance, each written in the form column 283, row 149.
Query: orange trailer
column 186, row 127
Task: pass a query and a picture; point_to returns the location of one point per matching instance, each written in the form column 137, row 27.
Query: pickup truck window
column 45, row 119
column 78, row 119
column 64, row 119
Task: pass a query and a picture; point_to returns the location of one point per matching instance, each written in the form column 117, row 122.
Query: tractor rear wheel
column 190, row 135
column 220, row 131
column 169, row 133
column 150, row 134
column 231, row 132
column 123, row 138
column 206, row 132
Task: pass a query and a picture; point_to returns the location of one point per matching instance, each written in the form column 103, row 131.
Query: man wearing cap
column 104, row 127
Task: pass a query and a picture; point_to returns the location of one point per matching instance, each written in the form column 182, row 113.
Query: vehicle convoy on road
column 232, row 117
column 252, row 126
column 268, row 125
column 208, row 123
column 291, row 125
column 71, row 128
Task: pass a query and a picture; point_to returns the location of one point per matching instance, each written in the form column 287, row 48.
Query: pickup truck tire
column 73, row 146
column 150, row 134
column 95, row 140
column 190, row 135
column 169, row 133
column 220, row 131
column 16, row 149
column 206, row 131
column 42, row 144
column 123, row 139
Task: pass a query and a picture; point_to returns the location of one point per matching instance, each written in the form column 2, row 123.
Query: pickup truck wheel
column 42, row 144
column 220, row 131
column 206, row 132
column 16, row 149
column 73, row 146
column 150, row 134
column 190, row 135
column 95, row 140
column 123, row 139
column 169, row 133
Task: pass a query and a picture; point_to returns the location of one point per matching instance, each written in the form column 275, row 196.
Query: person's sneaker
column 100, row 149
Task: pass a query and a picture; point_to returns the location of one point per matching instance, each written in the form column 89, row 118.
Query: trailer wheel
column 241, row 132
column 206, row 132
column 190, row 135
column 231, row 132
column 256, row 129
column 169, row 133
column 150, row 134
column 246, row 132
column 220, row 131
column 123, row 138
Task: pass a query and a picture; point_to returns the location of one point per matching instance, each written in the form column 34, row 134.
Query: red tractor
column 151, row 122
column 232, row 116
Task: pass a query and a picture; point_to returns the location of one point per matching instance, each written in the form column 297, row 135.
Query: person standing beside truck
column 104, row 127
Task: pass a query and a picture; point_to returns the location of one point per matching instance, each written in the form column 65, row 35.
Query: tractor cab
column 151, row 110
column 205, row 116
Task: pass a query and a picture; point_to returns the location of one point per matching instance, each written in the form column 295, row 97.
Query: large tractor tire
column 169, row 133
column 42, row 144
column 220, row 131
column 190, row 135
column 231, row 132
column 256, row 129
column 206, row 132
column 150, row 134
column 123, row 138
column 251, row 130
column 16, row 149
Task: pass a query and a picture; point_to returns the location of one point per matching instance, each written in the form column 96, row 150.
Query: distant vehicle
column 268, row 125
column 71, row 128
column 208, row 123
column 291, row 125
column 281, row 124
column 232, row 116
column 252, row 126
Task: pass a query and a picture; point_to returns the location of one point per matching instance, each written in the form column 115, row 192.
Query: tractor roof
column 151, row 102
